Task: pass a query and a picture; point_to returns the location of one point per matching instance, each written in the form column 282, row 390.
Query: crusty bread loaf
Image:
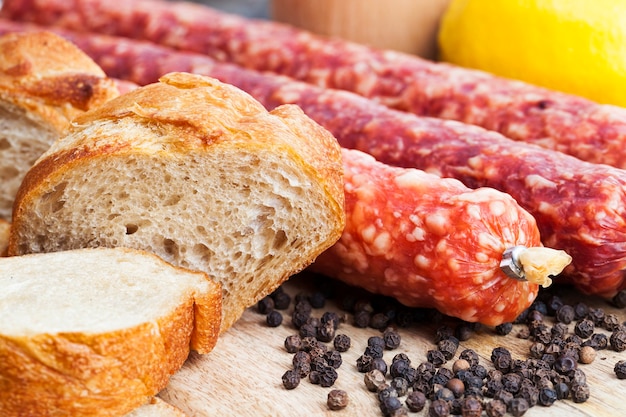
column 198, row 172
column 156, row 407
column 97, row 332
column 45, row 81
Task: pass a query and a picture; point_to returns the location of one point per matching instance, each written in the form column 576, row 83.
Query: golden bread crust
column 50, row 78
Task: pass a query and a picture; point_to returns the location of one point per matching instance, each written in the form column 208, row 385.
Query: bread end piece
column 96, row 332
column 45, row 81
column 198, row 172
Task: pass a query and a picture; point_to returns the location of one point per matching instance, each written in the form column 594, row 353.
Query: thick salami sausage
column 573, row 125
column 433, row 242
column 579, row 207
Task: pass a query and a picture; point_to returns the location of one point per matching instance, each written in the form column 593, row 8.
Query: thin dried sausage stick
column 579, row 207
column 570, row 124
column 433, row 242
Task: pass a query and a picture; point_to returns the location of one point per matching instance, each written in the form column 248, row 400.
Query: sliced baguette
column 45, row 81
column 198, row 172
column 97, row 332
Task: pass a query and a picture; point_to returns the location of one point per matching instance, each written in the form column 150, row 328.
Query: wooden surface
column 242, row 376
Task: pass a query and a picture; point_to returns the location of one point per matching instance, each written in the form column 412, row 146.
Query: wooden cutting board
column 242, row 375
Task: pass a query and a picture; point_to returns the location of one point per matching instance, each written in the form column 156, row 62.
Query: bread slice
column 156, row 407
column 198, row 172
column 97, row 332
column 45, row 81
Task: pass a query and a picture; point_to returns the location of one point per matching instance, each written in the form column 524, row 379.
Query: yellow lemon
column 575, row 46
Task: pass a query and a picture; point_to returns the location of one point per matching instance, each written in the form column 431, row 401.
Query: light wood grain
column 242, row 376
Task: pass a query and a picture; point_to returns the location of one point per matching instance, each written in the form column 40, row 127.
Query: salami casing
column 580, row 207
column 432, row 242
column 559, row 121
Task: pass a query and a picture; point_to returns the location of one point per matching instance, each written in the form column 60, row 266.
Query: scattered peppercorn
column 293, row 343
column 617, row 340
column 620, row 369
column 564, row 364
column 584, row 328
column 337, row 399
column 586, row 355
column 380, row 364
column 436, row 357
column 374, row 380
column 291, row 379
column 415, row 401
column 456, row 386
column 504, row 329
column 518, row 407
column 471, row 407
column 562, row 390
column 579, row 392
column 565, row 314
column 390, row 404
column 401, row 385
column 439, row 408
column 361, row 319
column 547, row 396
column 274, row 318
column 342, row 342
column 619, row 299
column 392, row 339
column 495, row 408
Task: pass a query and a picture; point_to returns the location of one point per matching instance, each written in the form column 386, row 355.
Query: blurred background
column 249, row 8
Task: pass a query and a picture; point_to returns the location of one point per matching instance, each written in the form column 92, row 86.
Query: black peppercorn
column 503, row 396
column 342, row 342
column 565, row 314
column 596, row 315
column 562, row 390
column 470, row 355
column 364, row 363
column 439, row 408
column 501, row 359
column 598, row 341
column 380, row 364
column 291, row 379
column 518, row 407
column 265, row 305
column 619, row 299
column 463, row 332
column 293, row 343
column 471, row 407
column 337, row 399
column 584, row 328
column 565, row 364
column 547, row 396
column 326, row 332
column 282, row 300
column 375, row 381
column 379, row 321
column 401, row 385
column 579, row 392
column 390, row 404
column 512, row 382
column 362, row 319
column 331, row 317
column 307, row 330
column 611, row 322
column 448, row 347
column 504, row 329
column 392, row 339
column 415, row 401
column 398, row 368
column 375, row 350
column 436, row 357
column 620, row 369
column 333, row 358
column 530, row 393
column 581, row 310
column 274, row 318
column 617, row 340
column 495, row 408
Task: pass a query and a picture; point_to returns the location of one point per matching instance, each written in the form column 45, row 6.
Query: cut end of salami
column 539, row 264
